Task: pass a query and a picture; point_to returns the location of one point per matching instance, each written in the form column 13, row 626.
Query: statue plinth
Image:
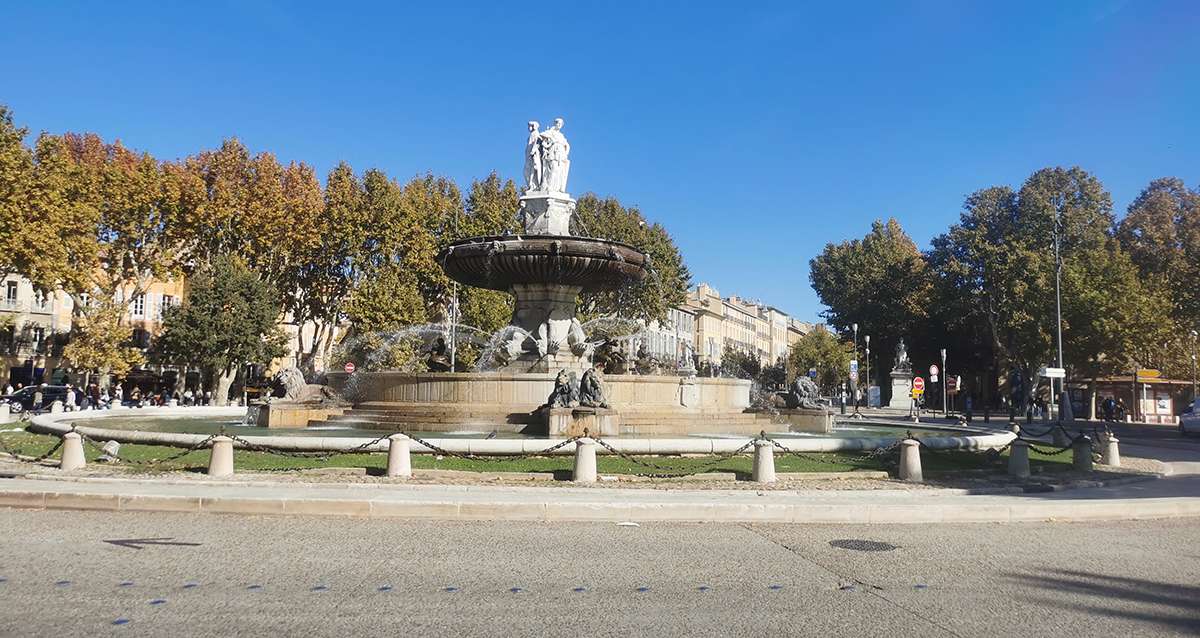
column 574, row 421
column 547, row 213
column 901, row 389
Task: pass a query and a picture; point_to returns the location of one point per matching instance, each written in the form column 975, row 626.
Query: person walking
column 8, row 389
column 37, row 398
column 119, row 394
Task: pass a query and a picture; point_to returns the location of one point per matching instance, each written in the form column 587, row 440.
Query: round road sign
column 349, row 367
column 919, row 384
column 933, row 370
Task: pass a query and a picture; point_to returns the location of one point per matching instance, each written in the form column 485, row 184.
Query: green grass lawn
column 143, row 457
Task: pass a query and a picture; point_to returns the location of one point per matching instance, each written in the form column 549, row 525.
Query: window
column 167, row 302
column 10, row 294
column 39, row 335
column 138, row 305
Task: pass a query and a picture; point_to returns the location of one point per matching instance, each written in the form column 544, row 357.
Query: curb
column 600, row 505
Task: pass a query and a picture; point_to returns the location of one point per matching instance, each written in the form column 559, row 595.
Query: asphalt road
column 258, row 576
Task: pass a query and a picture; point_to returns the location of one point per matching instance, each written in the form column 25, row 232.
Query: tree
column 739, row 364
column 823, row 351
column 100, row 341
column 228, row 320
column 1161, row 233
column 666, row 284
column 881, row 282
column 996, row 268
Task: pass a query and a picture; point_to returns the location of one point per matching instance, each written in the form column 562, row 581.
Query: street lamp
column 854, row 371
column 945, row 375
column 1194, row 336
column 1058, row 302
column 867, row 339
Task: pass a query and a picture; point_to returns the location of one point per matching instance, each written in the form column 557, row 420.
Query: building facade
column 740, row 324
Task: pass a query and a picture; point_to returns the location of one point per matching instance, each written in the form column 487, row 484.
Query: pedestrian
column 8, row 389
column 208, row 397
column 37, row 398
column 1120, row 409
column 105, row 400
column 119, row 394
column 968, row 406
column 188, row 398
column 135, row 397
column 1110, row 409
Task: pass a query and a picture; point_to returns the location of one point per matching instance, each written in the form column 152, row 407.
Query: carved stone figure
column 291, row 381
column 565, row 393
column 610, row 356
column 577, row 339
column 438, row 359
column 555, row 162
column 533, row 159
column 902, row 362
column 591, row 390
column 803, row 394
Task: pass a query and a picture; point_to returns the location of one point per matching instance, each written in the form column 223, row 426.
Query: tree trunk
column 223, row 381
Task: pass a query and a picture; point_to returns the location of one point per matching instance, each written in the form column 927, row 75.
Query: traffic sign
column 933, row 371
column 854, row 368
column 918, row 385
column 349, row 367
column 1148, row 373
column 951, row 384
column 1052, row 373
column 812, row 373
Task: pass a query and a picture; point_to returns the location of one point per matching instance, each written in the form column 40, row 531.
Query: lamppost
column 1058, row 302
column 854, row 371
column 1194, row 336
column 867, row 339
column 945, row 375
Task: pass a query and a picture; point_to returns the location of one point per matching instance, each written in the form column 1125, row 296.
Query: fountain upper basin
column 499, row 262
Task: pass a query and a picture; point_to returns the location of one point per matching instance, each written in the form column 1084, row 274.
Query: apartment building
column 741, row 324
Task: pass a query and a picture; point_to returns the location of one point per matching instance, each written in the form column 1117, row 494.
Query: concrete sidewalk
column 1171, row 497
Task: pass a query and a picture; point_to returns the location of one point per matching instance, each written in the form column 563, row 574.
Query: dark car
column 22, row 399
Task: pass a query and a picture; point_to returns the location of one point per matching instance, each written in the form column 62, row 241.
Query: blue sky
column 755, row 132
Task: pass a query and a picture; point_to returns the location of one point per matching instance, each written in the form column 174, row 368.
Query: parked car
column 1189, row 421
column 22, row 399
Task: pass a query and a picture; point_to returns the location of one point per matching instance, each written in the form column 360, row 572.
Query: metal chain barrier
column 16, row 454
column 321, row 456
column 475, row 457
column 150, row 462
column 877, row 455
column 671, row 472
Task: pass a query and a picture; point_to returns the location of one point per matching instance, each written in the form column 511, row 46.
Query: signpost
column 933, row 373
column 1053, row 373
column 349, row 367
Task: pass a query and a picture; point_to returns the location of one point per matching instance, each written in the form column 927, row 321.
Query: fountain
column 545, row 268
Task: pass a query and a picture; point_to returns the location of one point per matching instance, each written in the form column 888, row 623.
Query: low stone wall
column 282, row 414
column 525, row 392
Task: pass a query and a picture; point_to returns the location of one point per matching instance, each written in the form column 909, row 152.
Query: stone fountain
column 545, row 268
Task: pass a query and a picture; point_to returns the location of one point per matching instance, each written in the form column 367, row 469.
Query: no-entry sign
column 349, row 367
column 918, row 385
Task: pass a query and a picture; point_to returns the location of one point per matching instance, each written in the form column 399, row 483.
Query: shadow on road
column 1168, row 605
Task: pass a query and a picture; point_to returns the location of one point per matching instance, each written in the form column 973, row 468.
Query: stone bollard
column 1018, row 459
column 1081, row 452
column 585, row 461
column 1014, row 427
column 399, row 462
column 764, row 462
column 1111, row 454
column 72, row 452
column 910, row 461
column 220, row 460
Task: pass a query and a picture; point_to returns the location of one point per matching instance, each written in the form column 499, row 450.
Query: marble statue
column 902, row 362
column 547, row 159
column 566, row 391
column 533, row 158
column 803, row 394
column 438, row 359
column 591, row 390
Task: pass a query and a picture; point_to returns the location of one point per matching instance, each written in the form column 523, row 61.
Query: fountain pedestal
column 567, row 422
column 547, row 213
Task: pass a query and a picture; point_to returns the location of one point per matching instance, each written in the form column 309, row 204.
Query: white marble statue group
column 546, row 159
